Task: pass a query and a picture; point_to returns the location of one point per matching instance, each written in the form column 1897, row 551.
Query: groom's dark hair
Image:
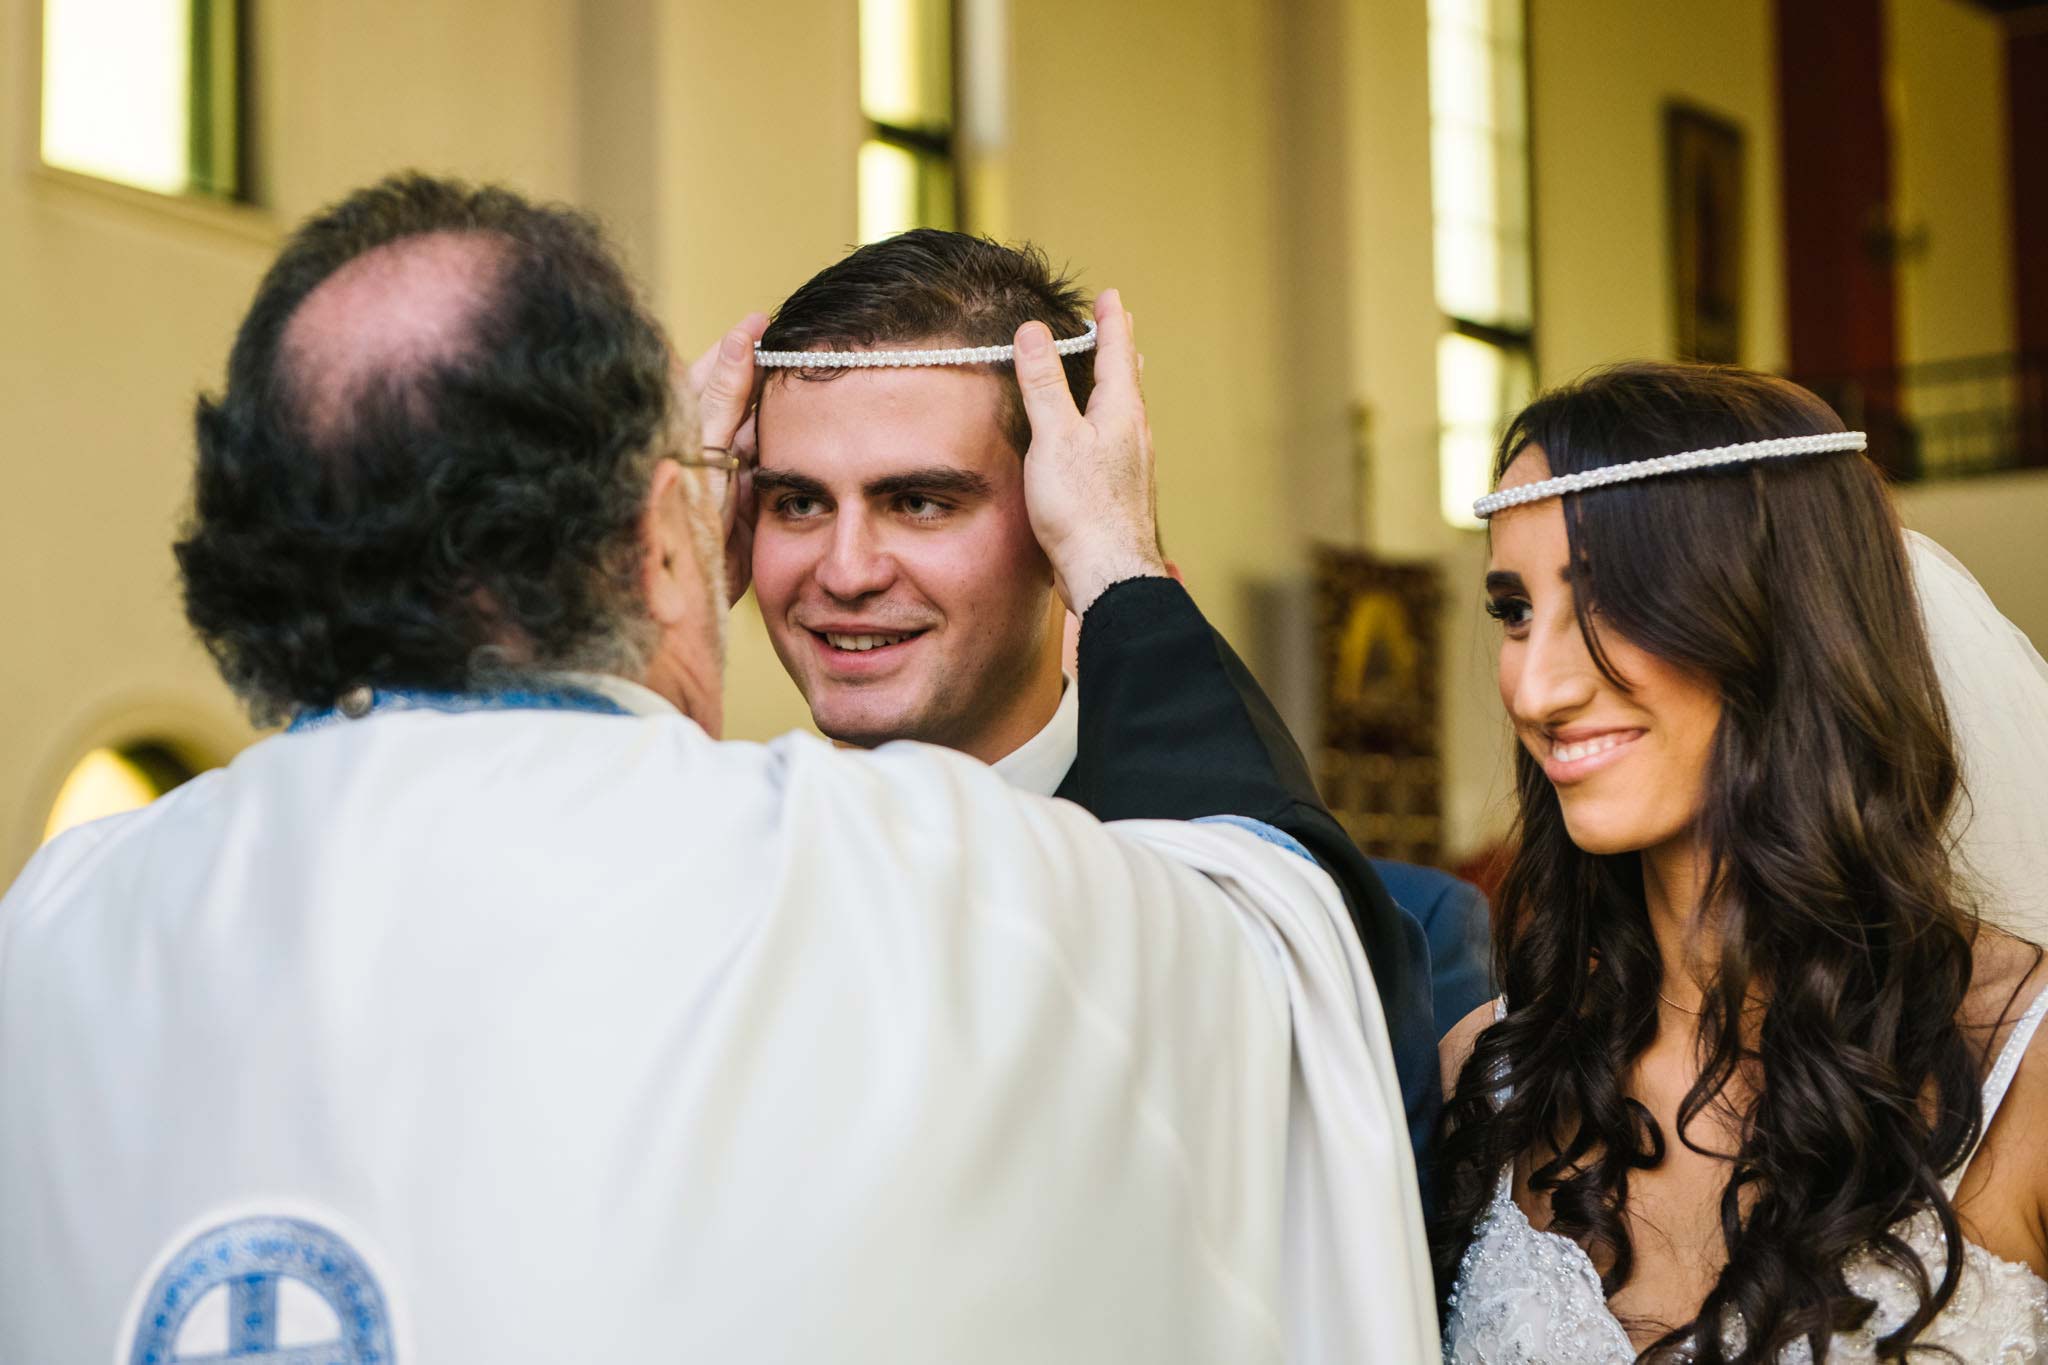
column 930, row 286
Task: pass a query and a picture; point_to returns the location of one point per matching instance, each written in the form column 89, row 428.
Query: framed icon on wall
column 1381, row 763
column 1703, row 166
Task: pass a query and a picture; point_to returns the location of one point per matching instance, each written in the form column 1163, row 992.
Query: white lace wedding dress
column 1525, row 1297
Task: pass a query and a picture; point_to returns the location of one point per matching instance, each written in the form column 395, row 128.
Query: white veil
column 1996, row 685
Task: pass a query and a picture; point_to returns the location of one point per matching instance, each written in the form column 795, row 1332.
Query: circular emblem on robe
column 262, row 1288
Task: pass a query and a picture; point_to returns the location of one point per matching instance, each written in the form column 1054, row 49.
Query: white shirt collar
column 635, row 699
column 1041, row 762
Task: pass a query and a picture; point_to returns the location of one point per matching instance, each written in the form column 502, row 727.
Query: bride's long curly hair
column 1830, row 781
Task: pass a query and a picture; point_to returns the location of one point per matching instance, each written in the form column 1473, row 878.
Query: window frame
column 1517, row 344
column 243, row 218
column 924, row 144
column 204, row 733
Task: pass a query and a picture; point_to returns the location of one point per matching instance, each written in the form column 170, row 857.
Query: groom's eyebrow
column 787, row 481
column 942, row 479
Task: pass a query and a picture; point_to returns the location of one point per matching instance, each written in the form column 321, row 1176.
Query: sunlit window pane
column 1479, row 160
column 1482, row 233
column 1499, row 19
column 1467, row 178
column 901, row 188
column 1478, row 385
column 1459, row 13
column 907, row 175
column 906, row 63
column 888, row 190
column 1461, row 80
column 1481, row 277
column 117, row 90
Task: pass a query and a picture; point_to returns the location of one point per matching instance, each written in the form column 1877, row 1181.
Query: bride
column 1758, row 1087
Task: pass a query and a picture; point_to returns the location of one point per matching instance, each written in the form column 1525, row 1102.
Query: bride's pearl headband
column 892, row 360
column 1747, row 452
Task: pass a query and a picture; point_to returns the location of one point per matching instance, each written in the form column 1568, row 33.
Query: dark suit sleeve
column 1460, row 953
column 1454, row 917
column 1173, row 726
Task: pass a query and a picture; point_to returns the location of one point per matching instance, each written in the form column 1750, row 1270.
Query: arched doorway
column 119, row 777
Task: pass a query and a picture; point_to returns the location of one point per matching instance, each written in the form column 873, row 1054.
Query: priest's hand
column 721, row 386
column 1088, row 476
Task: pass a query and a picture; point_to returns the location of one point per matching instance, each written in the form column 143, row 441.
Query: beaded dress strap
column 2002, row 1072
column 1502, row 1092
column 1504, row 1183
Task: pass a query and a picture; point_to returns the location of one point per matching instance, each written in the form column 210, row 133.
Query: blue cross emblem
column 253, row 1258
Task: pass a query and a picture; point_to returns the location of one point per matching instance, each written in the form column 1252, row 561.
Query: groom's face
column 894, row 561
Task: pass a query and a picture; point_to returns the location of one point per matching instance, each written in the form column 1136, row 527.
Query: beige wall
column 1603, row 72
column 1947, row 98
column 1950, row 188
column 1995, row 525
column 754, row 183
column 350, row 92
column 663, row 117
column 1141, row 154
column 120, row 308
column 1255, row 177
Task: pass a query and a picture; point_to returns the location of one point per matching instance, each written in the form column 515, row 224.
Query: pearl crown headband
column 895, row 360
column 1747, row 452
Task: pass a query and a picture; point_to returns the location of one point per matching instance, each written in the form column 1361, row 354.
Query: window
column 1479, row 162
column 146, row 93
column 115, row 779
column 908, row 171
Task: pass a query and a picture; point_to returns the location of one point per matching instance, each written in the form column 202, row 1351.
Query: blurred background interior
column 1356, row 234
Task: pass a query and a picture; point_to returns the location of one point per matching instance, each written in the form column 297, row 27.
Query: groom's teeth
column 1586, row 748
column 860, row 643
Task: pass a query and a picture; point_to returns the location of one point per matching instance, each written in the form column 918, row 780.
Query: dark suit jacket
column 1173, row 726
column 1455, row 918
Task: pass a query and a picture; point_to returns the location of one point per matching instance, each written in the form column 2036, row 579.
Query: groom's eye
column 921, row 507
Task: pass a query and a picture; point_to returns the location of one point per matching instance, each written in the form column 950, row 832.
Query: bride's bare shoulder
column 2004, row 1195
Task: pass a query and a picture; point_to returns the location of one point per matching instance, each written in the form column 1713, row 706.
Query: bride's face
column 1629, row 765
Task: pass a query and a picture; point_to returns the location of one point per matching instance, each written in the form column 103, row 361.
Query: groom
column 896, row 570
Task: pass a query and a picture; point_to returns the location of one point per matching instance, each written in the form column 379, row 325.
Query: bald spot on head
column 390, row 316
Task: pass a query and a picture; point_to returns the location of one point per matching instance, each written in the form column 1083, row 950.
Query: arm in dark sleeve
column 1458, row 924
column 1174, row 726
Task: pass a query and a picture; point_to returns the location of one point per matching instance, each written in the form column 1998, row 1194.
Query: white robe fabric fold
column 572, row 1037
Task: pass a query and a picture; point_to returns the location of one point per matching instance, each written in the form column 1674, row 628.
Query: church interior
column 1356, row 236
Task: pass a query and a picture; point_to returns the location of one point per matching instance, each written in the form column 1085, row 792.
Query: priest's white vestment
column 547, row 1036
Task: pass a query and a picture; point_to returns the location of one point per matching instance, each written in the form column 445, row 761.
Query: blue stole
column 370, row 702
